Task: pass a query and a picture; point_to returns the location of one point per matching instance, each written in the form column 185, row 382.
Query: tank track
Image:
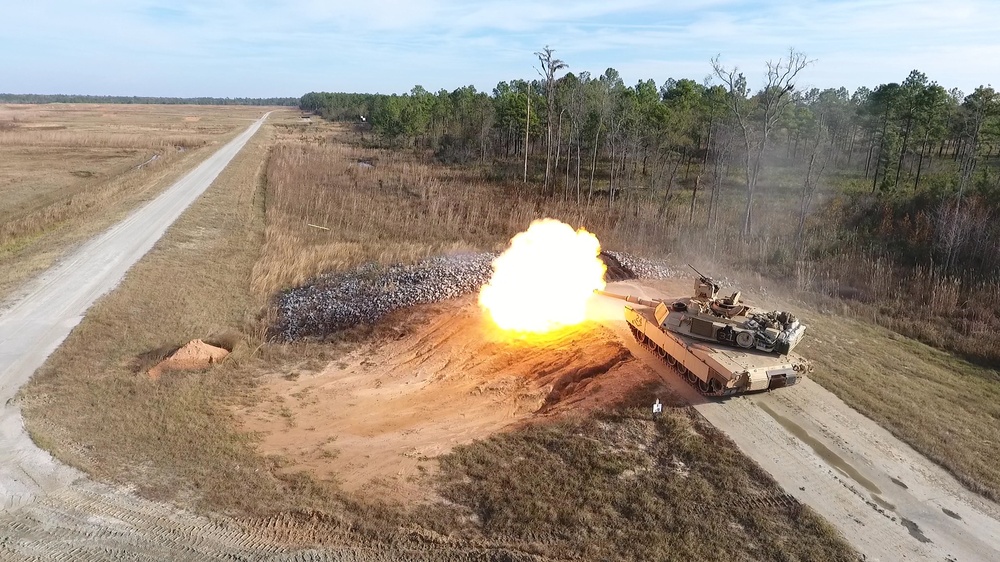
column 711, row 389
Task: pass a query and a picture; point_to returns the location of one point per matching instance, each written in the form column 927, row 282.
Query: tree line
column 919, row 163
column 75, row 98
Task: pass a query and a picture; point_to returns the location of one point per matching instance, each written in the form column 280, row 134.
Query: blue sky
column 234, row 48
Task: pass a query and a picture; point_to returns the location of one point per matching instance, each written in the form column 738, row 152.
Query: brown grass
column 403, row 209
column 406, row 207
column 621, row 487
column 919, row 303
column 68, row 171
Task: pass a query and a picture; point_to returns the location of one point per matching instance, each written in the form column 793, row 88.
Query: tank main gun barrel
column 628, row 298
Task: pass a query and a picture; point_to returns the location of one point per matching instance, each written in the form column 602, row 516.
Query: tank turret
column 726, row 320
column 746, row 347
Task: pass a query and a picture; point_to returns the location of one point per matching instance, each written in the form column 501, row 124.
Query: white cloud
column 237, row 47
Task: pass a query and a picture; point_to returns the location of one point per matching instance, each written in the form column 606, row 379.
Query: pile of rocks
column 336, row 301
column 643, row 268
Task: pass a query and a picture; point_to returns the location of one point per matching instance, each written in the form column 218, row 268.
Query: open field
column 420, row 428
column 51, row 510
column 68, row 171
column 203, row 256
column 178, row 439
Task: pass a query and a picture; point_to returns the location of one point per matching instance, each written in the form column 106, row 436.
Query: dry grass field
column 388, row 206
column 68, row 171
column 611, row 487
column 117, row 424
column 619, row 487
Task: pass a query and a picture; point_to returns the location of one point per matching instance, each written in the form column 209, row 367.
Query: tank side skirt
column 687, row 362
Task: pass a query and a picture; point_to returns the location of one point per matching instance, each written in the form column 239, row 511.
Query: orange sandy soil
column 374, row 419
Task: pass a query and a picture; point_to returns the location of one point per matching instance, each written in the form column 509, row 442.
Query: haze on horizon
column 236, row 48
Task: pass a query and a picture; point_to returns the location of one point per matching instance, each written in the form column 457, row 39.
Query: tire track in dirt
column 887, row 500
column 92, row 521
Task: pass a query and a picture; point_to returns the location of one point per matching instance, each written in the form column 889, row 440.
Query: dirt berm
column 436, row 377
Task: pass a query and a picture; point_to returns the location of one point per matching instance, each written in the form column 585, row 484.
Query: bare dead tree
column 818, row 159
column 980, row 104
column 527, row 128
column 722, row 146
column 757, row 116
column 548, row 71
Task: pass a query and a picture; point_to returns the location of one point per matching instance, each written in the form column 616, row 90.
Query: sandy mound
column 193, row 356
column 374, row 419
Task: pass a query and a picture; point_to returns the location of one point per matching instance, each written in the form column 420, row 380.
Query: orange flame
column 544, row 279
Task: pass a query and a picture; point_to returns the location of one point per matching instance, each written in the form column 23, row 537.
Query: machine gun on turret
column 705, row 287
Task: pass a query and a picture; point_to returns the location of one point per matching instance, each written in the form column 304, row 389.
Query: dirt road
column 889, row 502
column 54, row 512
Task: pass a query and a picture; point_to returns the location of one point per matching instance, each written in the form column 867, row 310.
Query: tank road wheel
column 662, row 352
column 714, row 386
column 691, row 377
column 744, row 339
column 670, row 360
column 704, row 386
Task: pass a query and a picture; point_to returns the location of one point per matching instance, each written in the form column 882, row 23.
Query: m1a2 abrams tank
column 721, row 345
